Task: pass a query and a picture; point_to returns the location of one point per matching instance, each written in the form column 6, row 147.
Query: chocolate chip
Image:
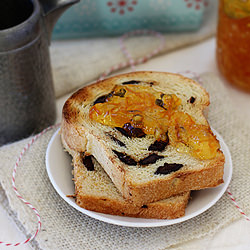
column 129, row 131
column 88, row 163
column 159, row 145
column 159, row 102
column 125, row 158
column 132, row 131
column 144, row 206
column 168, row 168
column 103, row 98
column 152, row 158
column 123, row 131
column 192, row 99
column 120, row 143
column 137, row 132
column 131, row 82
column 100, row 99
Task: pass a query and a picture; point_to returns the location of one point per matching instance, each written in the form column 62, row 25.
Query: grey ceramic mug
column 27, row 101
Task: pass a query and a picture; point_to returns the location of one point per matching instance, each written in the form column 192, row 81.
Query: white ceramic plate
column 58, row 164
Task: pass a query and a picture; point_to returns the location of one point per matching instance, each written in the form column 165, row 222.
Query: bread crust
column 155, row 210
column 81, row 139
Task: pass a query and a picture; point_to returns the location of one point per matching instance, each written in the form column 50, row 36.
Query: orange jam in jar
column 141, row 108
column 233, row 42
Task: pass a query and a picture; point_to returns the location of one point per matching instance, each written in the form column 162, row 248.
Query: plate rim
column 152, row 222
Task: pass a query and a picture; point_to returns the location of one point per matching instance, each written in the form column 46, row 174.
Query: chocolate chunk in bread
column 191, row 100
column 129, row 131
column 123, row 131
column 131, row 82
column 159, row 145
column 132, row 131
column 152, row 158
column 159, row 102
column 168, row 168
column 102, row 98
column 125, row 158
column 87, row 161
column 120, row 143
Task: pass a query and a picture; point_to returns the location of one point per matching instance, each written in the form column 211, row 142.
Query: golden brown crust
column 73, row 135
column 156, row 210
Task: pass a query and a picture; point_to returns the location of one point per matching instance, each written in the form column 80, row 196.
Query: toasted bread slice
column 95, row 191
column 141, row 168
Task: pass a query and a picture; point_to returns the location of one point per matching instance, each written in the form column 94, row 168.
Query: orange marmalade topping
column 233, row 42
column 156, row 114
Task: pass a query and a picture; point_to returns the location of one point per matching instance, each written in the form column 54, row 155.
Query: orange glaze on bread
column 156, row 114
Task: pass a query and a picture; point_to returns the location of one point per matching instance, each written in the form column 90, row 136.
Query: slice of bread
column 95, row 191
column 146, row 166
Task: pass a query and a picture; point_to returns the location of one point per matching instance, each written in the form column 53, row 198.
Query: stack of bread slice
column 140, row 143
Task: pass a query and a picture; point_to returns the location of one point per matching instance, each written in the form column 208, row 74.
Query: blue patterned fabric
column 114, row 17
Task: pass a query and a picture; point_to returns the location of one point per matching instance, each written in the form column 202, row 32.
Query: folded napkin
column 80, row 61
column 114, row 17
column 63, row 227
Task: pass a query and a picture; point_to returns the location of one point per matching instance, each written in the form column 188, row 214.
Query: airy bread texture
column 95, row 191
column 139, row 184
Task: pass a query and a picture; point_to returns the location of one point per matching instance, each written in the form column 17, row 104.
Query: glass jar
column 233, row 42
